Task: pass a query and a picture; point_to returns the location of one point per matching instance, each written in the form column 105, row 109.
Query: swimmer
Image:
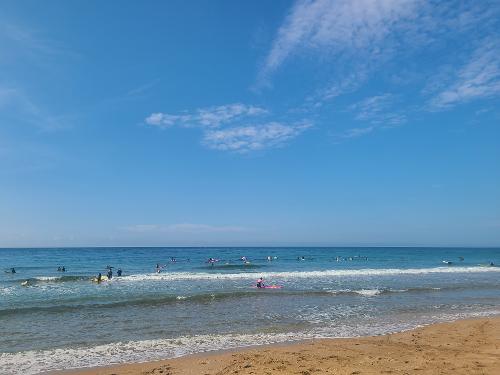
column 119, row 272
column 99, row 278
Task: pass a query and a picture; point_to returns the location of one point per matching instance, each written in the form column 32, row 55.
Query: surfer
column 99, row 278
column 110, row 274
column 158, row 268
column 119, row 272
column 63, row 269
column 12, row 270
column 260, row 283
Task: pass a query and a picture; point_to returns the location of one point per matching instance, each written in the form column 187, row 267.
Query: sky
column 249, row 123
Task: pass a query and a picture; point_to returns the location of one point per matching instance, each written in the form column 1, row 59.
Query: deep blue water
column 51, row 319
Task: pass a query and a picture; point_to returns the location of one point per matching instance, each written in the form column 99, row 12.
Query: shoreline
column 468, row 346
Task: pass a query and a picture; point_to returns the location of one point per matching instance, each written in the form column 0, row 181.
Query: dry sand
column 463, row 347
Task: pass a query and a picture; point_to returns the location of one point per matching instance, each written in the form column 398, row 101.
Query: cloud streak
column 255, row 137
column 378, row 110
column 336, row 26
column 227, row 128
column 205, row 117
column 478, row 78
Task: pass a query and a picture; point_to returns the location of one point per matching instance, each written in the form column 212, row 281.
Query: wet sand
column 462, row 347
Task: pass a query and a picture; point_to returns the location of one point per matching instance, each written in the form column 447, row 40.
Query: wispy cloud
column 378, row 110
column 18, row 42
column 24, row 109
column 251, row 138
column 183, row 228
column 478, row 78
column 227, row 128
column 336, row 26
column 354, row 133
column 205, row 117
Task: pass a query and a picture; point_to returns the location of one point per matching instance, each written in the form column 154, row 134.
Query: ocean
column 52, row 320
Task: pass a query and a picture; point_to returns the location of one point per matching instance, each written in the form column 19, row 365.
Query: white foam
column 305, row 274
column 47, row 278
column 37, row 361
column 362, row 292
column 368, row 292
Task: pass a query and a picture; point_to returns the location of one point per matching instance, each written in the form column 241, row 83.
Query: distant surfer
column 110, row 274
column 99, row 278
column 63, row 269
column 119, row 272
column 211, row 261
column 12, row 270
column 158, row 268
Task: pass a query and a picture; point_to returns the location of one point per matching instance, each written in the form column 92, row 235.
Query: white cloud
column 478, row 78
column 337, row 26
column 225, row 127
column 205, row 117
column 256, row 137
column 182, row 228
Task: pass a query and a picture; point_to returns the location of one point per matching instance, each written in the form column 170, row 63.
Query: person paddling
column 260, row 283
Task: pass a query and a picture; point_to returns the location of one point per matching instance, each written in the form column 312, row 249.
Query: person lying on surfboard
column 260, row 283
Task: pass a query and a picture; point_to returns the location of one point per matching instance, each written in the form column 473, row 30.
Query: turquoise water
column 63, row 320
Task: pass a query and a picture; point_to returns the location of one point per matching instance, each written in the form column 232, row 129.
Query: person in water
column 110, row 274
column 63, row 269
column 119, row 272
column 158, row 268
column 260, row 283
column 99, row 278
column 59, row 269
column 12, row 270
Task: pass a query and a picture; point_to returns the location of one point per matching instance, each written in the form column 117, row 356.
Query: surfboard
column 269, row 287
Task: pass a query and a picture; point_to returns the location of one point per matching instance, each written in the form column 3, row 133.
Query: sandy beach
column 462, row 347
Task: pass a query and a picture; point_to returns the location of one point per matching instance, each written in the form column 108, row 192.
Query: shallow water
column 63, row 320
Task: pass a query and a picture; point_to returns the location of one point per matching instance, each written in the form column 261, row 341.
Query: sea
column 52, row 320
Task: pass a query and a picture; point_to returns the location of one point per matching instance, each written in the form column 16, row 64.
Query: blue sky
column 249, row 123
